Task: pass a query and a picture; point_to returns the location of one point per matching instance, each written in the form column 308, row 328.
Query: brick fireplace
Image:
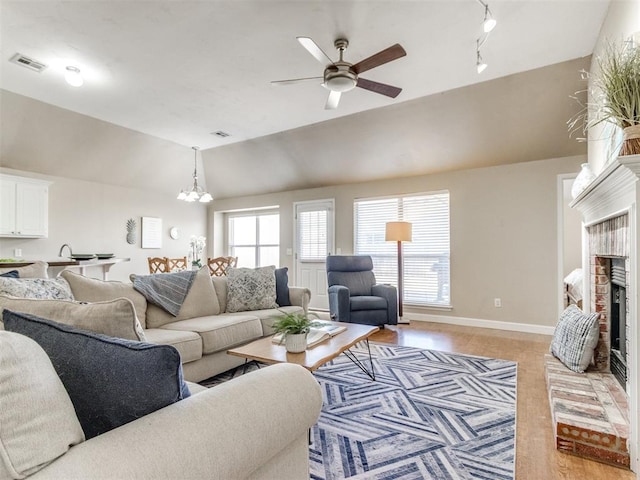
column 611, row 263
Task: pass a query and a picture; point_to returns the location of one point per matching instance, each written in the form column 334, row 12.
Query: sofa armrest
column 339, row 303
column 390, row 293
column 300, row 296
column 235, row 430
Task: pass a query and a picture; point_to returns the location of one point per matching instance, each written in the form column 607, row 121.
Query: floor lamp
column 398, row 232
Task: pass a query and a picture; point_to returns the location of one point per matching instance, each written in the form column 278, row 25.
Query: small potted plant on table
column 294, row 328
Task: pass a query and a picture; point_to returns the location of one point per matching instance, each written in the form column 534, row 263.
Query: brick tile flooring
column 590, row 413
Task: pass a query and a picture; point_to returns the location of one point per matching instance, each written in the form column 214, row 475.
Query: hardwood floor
column 536, row 456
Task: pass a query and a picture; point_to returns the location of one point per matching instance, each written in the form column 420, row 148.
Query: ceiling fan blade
column 313, row 48
column 385, row 56
column 294, row 80
column 381, row 88
column 333, row 100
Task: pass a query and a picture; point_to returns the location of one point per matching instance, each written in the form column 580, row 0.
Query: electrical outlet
column 497, row 302
column 17, row 252
column 289, row 251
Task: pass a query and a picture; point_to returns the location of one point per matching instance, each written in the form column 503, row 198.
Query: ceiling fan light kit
column 341, row 76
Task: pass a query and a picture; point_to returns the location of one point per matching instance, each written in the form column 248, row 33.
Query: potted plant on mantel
column 615, row 95
column 294, row 328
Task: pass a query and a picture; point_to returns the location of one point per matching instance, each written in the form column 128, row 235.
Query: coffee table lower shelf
column 265, row 351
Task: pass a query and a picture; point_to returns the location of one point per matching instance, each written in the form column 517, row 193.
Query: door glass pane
column 312, row 231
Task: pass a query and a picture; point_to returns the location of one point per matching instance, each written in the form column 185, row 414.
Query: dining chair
column 158, row 264
column 177, row 264
column 218, row 266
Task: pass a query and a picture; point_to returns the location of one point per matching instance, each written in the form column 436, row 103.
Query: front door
column 314, row 223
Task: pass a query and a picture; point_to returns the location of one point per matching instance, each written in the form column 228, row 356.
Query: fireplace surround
column 610, row 214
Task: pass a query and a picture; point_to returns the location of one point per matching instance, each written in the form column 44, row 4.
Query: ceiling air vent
column 221, row 134
column 27, row 62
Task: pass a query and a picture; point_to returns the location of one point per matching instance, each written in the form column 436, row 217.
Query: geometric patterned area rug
column 428, row 415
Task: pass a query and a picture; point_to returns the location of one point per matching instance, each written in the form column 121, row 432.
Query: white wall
column 92, row 218
column 622, row 21
column 504, row 238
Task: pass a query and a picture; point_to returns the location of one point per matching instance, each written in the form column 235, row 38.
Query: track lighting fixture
column 480, row 65
column 489, row 22
column 488, row 25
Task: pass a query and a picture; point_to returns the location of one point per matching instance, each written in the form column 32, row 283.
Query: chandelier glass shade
column 196, row 192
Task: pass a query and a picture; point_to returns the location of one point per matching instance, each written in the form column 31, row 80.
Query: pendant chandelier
column 196, row 192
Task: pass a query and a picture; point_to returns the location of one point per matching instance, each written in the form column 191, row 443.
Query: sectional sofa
column 221, row 432
column 203, row 330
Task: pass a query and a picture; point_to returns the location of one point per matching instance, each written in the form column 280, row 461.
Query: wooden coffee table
column 264, row 350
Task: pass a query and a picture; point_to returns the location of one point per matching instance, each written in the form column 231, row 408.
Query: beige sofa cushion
column 116, row 318
column 220, row 332
column 200, row 301
column 88, row 289
column 37, row 420
column 188, row 344
column 221, row 286
column 269, row 316
column 35, row 270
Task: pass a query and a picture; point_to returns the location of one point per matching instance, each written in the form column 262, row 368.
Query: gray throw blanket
column 166, row 290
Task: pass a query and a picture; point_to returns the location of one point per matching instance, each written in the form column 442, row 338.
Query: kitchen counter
column 56, row 266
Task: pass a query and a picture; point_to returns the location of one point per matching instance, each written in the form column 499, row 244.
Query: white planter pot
column 296, row 343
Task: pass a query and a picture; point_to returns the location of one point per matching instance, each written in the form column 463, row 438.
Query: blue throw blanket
column 166, row 290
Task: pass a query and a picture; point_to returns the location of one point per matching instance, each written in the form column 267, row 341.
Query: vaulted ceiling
column 182, row 70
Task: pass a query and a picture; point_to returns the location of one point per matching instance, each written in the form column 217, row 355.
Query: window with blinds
column 426, row 279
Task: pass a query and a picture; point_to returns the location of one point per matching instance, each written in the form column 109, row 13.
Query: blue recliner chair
column 355, row 297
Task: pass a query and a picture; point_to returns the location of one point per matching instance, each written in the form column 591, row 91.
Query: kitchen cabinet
column 24, row 207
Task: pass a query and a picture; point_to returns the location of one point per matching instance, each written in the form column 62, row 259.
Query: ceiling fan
column 343, row 76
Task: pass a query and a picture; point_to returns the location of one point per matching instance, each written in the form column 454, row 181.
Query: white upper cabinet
column 24, row 207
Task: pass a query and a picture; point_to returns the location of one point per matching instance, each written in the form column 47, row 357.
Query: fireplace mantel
column 611, row 193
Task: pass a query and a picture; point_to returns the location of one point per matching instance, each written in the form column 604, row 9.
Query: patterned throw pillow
column 251, row 289
column 575, row 337
column 38, row 288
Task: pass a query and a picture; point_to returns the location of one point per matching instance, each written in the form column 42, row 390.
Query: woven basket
column 631, row 143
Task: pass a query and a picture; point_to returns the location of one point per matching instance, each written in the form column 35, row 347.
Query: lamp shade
column 398, row 232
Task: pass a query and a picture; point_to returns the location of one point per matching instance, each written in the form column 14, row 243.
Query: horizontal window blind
column 313, row 235
column 426, row 279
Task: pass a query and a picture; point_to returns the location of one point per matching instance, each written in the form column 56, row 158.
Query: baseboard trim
column 481, row 323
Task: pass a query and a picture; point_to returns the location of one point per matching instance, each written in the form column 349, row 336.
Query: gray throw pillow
column 575, row 338
column 111, row 381
column 251, row 289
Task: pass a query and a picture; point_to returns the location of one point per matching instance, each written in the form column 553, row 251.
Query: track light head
column 489, row 22
column 480, row 65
